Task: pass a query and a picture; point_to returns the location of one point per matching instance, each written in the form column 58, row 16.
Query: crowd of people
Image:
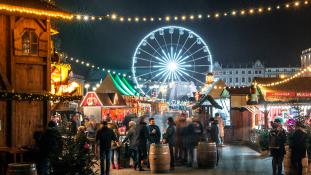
column 181, row 135
column 277, row 141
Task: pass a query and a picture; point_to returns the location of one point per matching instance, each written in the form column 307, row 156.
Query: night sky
column 277, row 38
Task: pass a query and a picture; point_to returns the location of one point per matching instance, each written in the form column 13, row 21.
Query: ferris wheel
column 171, row 54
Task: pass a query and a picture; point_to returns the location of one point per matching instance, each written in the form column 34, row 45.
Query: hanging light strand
column 296, row 75
column 196, row 17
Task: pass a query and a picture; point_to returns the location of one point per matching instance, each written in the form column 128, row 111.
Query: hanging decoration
column 196, row 17
column 36, row 97
column 39, row 12
column 296, row 75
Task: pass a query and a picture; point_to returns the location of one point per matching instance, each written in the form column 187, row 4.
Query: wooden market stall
column 284, row 100
column 25, row 60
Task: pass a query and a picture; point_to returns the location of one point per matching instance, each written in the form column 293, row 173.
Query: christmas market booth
column 25, row 74
column 65, row 82
column 116, row 97
column 285, row 100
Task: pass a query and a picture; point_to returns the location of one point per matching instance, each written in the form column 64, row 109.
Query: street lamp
column 94, row 88
column 87, row 86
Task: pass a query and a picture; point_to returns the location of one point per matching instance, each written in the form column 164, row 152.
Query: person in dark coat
column 298, row 146
column 74, row 125
column 50, row 146
column 277, row 139
column 214, row 133
column 130, row 138
column 140, row 141
column 169, row 138
column 104, row 137
column 154, row 132
column 190, row 141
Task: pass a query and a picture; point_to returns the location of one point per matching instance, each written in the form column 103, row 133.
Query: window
column 243, row 80
column 225, row 72
column 243, row 72
column 230, row 72
column 249, row 72
column 249, row 79
column 230, row 80
column 260, row 72
column 236, row 72
column 29, row 42
column 277, row 70
column 256, row 72
column 236, row 80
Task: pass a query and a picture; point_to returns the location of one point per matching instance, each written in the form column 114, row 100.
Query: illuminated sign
column 289, row 94
column 91, row 99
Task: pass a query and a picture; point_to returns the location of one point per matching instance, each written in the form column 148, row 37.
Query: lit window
column 29, row 42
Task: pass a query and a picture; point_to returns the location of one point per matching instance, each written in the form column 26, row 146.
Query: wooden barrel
column 287, row 160
column 22, row 169
column 159, row 158
column 207, row 155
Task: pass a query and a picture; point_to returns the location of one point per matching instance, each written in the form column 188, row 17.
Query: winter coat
column 130, row 137
column 154, row 138
column 141, row 136
column 298, row 144
column 278, row 148
column 221, row 126
column 214, row 134
column 169, row 135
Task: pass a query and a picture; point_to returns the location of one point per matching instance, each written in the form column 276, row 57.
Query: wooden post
column 266, row 114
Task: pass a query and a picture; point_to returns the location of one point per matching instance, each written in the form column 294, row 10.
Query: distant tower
column 306, row 61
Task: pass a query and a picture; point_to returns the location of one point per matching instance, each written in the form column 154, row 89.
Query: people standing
column 115, row 149
column 154, row 132
column 214, row 132
column 140, row 141
column 179, row 140
column 104, row 137
column 50, row 146
column 169, row 138
column 277, row 139
column 298, row 146
column 190, row 140
column 221, row 127
column 74, row 125
column 214, row 135
column 130, row 138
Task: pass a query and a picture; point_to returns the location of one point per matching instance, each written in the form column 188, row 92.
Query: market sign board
column 91, row 99
column 289, row 94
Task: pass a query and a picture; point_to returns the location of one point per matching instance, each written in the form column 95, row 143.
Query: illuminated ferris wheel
column 171, row 54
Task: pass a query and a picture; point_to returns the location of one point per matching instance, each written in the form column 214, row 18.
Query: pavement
column 234, row 160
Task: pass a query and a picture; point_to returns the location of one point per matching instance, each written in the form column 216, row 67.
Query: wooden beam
column 5, row 80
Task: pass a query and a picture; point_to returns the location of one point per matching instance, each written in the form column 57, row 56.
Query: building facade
column 306, row 61
column 243, row 75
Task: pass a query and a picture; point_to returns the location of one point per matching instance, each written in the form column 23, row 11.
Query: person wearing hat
column 298, row 146
column 277, row 140
column 104, row 137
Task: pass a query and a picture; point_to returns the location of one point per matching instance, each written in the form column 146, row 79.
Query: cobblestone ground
column 235, row 160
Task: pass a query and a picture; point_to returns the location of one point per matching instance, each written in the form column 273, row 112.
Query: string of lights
column 31, row 11
column 296, row 75
column 196, row 17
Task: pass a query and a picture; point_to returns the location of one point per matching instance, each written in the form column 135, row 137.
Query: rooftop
column 34, row 7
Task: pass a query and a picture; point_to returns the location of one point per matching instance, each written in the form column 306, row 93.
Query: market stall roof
column 204, row 99
column 302, row 84
column 294, row 91
column 34, row 7
column 112, row 100
column 115, row 84
column 238, row 90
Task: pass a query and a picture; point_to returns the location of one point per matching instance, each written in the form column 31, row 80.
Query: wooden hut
column 25, row 59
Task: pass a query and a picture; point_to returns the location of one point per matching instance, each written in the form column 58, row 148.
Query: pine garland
column 36, row 97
